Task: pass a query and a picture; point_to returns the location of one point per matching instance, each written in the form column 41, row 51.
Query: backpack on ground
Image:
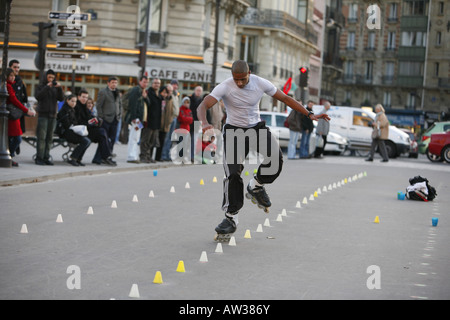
column 420, row 189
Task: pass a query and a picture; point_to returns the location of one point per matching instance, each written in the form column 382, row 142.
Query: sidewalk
column 29, row 172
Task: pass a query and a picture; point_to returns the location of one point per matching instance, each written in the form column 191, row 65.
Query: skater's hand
column 206, row 127
column 320, row 116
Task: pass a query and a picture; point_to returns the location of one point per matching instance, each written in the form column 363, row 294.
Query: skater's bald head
column 240, row 66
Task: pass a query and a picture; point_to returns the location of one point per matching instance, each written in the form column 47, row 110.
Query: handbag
column 80, row 130
column 376, row 133
column 14, row 112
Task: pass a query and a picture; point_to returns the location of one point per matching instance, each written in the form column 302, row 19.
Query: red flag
column 287, row 86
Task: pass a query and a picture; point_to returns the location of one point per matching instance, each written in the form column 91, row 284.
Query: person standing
column 294, row 132
column 109, row 108
column 136, row 113
column 241, row 95
column 322, row 129
column 20, row 90
column 380, row 134
column 307, row 128
column 48, row 93
column 196, row 98
column 14, row 128
column 175, row 101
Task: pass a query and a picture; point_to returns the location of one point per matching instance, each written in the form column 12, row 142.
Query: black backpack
column 418, row 195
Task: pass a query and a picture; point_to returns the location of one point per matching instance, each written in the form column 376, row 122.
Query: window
column 391, row 40
column 280, row 120
column 371, row 41
column 410, row 68
column 353, row 12
column 393, row 12
column 360, row 118
column 436, row 69
column 387, row 99
column 413, row 8
column 248, row 51
column 349, row 69
column 441, row 8
column 414, row 38
column 351, row 40
column 411, row 100
column 267, row 118
column 302, row 9
column 369, row 70
column 389, row 72
column 438, row 38
column 155, row 16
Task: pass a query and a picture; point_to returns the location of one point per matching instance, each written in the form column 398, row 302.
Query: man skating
column 244, row 131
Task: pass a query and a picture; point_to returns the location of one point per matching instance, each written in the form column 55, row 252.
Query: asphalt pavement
column 352, row 239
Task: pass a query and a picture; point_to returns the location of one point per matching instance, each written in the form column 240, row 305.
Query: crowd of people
column 144, row 117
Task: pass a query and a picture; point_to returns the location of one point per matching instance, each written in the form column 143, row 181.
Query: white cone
column 324, row 189
column 219, row 248
column 279, row 218
column 283, row 213
column 24, row 229
column 232, row 242
column 134, row 292
column 90, row 211
column 187, row 186
column 298, row 205
column 267, row 223
column 318, row 191
column 151, row 194
column 311, row 197
column 135, row 198
column 259, row 229
column 330, row 187
column 172, row 190
column 204, row 257
column 59, row 218
column 334, row 185
column 114, row 204
column 305, row 201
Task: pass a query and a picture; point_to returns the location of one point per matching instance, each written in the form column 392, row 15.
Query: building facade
column 396, row 53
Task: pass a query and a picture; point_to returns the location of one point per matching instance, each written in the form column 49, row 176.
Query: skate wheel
column 248, row 196
column 223, row 237
column 266, row 210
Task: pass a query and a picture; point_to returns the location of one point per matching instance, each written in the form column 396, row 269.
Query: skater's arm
column 206, row 104
column 279, row 95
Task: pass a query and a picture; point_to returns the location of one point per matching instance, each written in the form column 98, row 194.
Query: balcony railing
column 278, row 20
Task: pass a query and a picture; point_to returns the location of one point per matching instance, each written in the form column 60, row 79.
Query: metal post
column 216, row 44
column 5, row 156
column 147, row 26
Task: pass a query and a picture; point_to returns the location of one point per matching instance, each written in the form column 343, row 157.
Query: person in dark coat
column 48, row 93
column 20, row 89
column 67, row 118
column 307, row 128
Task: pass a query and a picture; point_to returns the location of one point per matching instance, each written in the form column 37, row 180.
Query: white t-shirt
column 242, row 105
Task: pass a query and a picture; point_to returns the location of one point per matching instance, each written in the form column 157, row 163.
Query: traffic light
column 142, row 57
column 303, row 82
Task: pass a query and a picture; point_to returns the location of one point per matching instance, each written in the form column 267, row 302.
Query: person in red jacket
column 14, row 128
column 185, row 117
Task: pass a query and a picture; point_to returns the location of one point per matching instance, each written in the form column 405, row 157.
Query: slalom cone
column 59, row 218
column 134, row 292
column 219, row 248
column 114, row 204
column 279, row 218
column 151, row 194
column 204, row 257
column 90, row 211
column 158, row 278
column 259, row 229
column 246, row 173
column 298, row 205
column 283, row 213
column 180, row 267
column 305, row 201
column 267, row 223
column 202, row 182
column 215, row 179
column 247, row 234
column 311, row 197
column 135, row 198
column 377, row 219
column 24, row 229
column 172, row 189
column 187, row 186
column 232, row 242
column 316, row 195
column 324, row 189
column 318, row 191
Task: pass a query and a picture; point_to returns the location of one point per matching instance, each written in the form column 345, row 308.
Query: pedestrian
column 185, row 118
column 322, row 129
column 306, row 131
column 175, row 101
column 67, row 118
column 196, row 98
column 96, row 133
column 14, row 129
column 20, row 90
column 48, row 93
column 109, row 108
column 380, row 133
column 241, row 95
column 167, row 122
column 152, row 123
column 294, row 132
column 135, row 117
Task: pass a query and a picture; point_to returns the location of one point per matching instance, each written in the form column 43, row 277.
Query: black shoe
column 18, row 150
column 48, row 163
column 260, row 194
column 369, row 159
column 96, row 162
column 384, row 160
column 14, row 164
column 39, row 162
column 81, row 164
column 227, row 226
column 109, row 162
column 73, row 162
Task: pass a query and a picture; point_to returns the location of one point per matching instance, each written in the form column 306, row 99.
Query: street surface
column 330, row 248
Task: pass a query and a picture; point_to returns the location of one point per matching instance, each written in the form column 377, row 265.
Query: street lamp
column 5, row 156
column 216, row 44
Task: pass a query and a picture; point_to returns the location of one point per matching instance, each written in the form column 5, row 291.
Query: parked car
column 336, row 144
column 354, row 124
column 414, row 148
column 440, row 146
column 437, row 127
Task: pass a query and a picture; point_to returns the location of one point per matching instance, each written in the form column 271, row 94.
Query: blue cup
column 434, row 222
column 155, row 173
column 400, row 196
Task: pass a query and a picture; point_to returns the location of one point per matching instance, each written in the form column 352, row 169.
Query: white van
column 354, row 124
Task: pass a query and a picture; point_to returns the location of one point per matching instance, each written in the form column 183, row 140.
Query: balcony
column 411, row 53
column 388, row 80
column 410, row 81
column 444, row 83
column 275, row 19
column 414, row 23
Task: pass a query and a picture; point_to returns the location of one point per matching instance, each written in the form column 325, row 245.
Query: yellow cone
column 377, row 219
column 158, row 278
column 247, row 234
column 202, row 182
column 180, row 267
column 316, row 195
